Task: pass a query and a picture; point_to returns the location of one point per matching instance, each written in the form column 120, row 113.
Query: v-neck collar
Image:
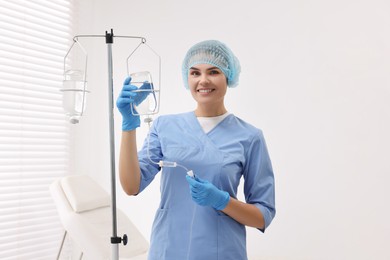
column 209, row 123
column 194, row 123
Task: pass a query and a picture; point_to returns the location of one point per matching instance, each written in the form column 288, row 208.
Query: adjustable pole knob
column 118, row 240
column 124, row 239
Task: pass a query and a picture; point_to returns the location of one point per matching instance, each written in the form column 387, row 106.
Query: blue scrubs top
column 233, row 149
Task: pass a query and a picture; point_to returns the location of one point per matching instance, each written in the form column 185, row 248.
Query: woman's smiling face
column 207, row 84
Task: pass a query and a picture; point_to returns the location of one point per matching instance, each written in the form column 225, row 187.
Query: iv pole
column 115, row 240
column 109, row 37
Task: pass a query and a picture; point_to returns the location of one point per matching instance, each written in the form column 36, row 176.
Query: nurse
column 201, row 217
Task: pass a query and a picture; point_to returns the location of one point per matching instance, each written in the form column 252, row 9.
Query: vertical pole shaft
column 115, row 247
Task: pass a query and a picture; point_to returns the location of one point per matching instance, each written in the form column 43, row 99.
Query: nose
column 204, row 79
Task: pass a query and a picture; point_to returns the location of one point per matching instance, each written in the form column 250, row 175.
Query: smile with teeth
column 208, row 90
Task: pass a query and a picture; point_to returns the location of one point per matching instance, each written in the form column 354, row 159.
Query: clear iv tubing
column 161, row 163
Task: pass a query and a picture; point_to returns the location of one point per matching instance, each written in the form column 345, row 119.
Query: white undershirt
column 208, row 123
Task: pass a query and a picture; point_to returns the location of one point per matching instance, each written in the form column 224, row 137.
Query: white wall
column 315, row 78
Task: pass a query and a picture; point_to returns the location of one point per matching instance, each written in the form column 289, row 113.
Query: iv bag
column 74, row 98
column 143, row 62
column 148, row 95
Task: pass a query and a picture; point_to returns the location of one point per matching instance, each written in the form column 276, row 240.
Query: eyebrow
column 212, row 68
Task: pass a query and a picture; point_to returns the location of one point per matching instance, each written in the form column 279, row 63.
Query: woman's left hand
column 206, row 194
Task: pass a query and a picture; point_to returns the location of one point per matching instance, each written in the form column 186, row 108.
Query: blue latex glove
column 206, row 194
column 123, row 103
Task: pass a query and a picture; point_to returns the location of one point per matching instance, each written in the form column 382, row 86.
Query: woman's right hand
column 123, row 103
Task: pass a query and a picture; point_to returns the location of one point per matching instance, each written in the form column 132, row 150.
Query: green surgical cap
column 214, row 53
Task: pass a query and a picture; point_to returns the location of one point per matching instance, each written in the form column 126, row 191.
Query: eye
column 214, row 72
column 194, row 73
